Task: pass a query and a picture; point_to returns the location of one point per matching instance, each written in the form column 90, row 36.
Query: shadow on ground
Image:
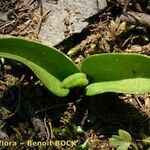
column 108, row 113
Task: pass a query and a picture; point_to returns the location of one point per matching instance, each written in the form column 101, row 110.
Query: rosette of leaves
column 121, row 73
column 122, row 141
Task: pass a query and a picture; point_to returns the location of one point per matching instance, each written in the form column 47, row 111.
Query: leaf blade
column 124, row 146
column 121, row 86
column 117, row 73
column 51, row 82
column 50, row 65
column 115, row 142
column 77, row 79
column 125, row 135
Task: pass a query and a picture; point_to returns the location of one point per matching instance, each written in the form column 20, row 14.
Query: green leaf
column 121, row 141
column 115, row 142
column 133, row 86
column 124, row 146
column 146, row 141
column 50, row 65
column 78, row 129
column 120, row 73
column 77, row 79
column 125, row 135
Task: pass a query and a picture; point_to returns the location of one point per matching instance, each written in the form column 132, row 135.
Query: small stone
column 3, row 16
column 3, row 136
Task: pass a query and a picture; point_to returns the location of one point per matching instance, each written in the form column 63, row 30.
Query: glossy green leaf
column 50, row 65
column 120, row 73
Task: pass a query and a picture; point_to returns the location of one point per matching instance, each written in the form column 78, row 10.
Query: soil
column 29, row 112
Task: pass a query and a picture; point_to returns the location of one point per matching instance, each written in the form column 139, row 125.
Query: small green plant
column 122, row 141
column 121, row 73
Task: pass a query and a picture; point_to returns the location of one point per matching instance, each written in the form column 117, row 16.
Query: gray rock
column 102, row 4
column 67, row 17
column 3, row 16
column 4, row 136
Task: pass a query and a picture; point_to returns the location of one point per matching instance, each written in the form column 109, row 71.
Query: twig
column 51, row 129
column 47, row 130
column 17, row 132
column 127, row 40
column 41, row 21
column 134, row 146
column 84, row 118
column 139, row 103
column 52, row 107
column 18, row 105
column 126, row 4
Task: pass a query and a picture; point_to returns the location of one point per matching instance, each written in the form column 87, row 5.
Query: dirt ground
column 29, row 112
